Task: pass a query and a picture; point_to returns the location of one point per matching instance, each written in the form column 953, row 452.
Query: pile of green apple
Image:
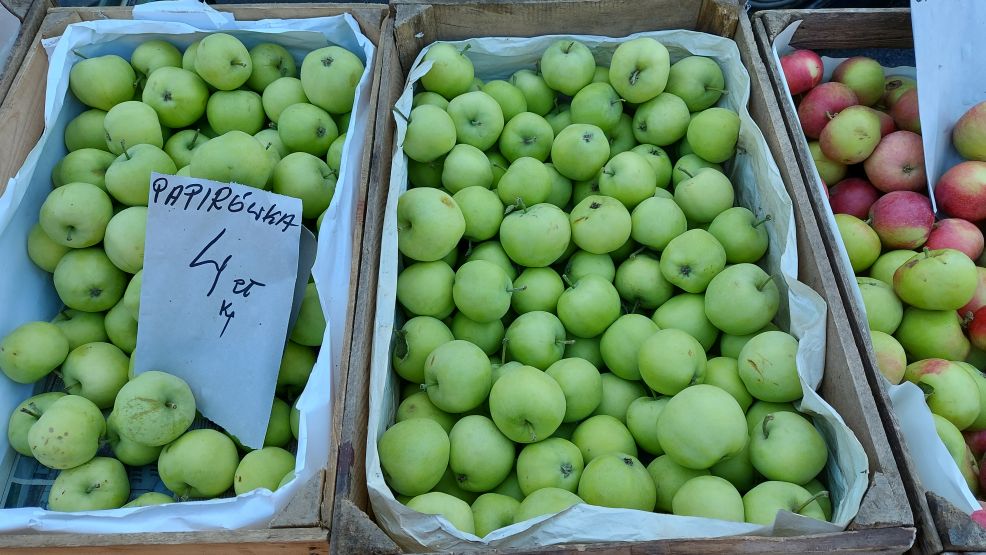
column 217, row 111
column 585, row 319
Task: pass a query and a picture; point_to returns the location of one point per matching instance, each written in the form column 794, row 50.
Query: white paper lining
column 935, row 466
column 759, row 187
column 30, row 295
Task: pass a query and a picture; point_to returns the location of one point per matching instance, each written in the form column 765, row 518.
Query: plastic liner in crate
column 26, row 292
column 758, row 187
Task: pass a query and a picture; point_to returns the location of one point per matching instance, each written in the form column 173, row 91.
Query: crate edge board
column 285, row 536
column 318, row 515
column 881, row 33
column 30, row 23
column 357, row 452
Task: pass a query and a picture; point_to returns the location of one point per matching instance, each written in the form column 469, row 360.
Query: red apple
column 887, row 125
column 894, row 86
column 979, row 297
column 905, row 111
column 864, row 76
column 976, row 442
column 979, row 517
column 958, row 234
column 969, row 134
column 976, row 328
column 853, row 195
column 802, row 70
column 897, row 163
column 902, row 219
column 822, row 104
column 961, row 192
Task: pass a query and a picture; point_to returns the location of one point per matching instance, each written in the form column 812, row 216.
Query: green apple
column 581, row 384
column 621, row 137
column 589, row 306
column 602, row 434
column 582, row 263
column 741, row 299
column 98, row 484
column 554, row 462
column 709, row 497
column 535, row 236
column 559, row 117
column 451, row 73
column 723, row 372
column 270, row 63
column 536, row 338
column 296, row 366
column 510, row 98
column 661, row 121
column 87, row 165
column 103, row 82
column 640, row 282
column 600, row 224
column 671, row 360
column 281, row 93
column 617, row 396
column 493, row 511
column 128, row 179
column 545, row 501
column 738, row 470
column 580, row 151
column 882, row 307
column 668, row 478
column 466, row 166
column 629, row 178
column 243, row 111
column 177, row 95
column 448, row 484
column 429, row 224
column 642, row 416
column 950, row 391
column 279, row 426
column 154, row 408
column 527, row 182
column 425, row 289
column 639, row 69
column 306, row 128
column 329, row 77
column 692, row 259
column 741, row 234
column 698, row 81
column 540, row 97
column 932, row 334
column 233, row 157
column 86, row 279
column 24, row 416
column 536, row 289
column 886, row 265
column 121, row 327
column 597, row 104
column 659, row 161
column 952, row 271
column 617, row 480
column 75, row 215
column 526, row 134
column 124, row 240
column 482, row 291
column 151, row 55
column 829, row 170
column 428, row 97
column 480, row 455
column 710, row 409
column 458, row 376
column 891, row 359
column 414, row 455
column 86, row 131
column 656, row 221
column 262, row 469
column 686, row 312
column 334, row 155
column 786, row 446
column 688, row 165
column 481, row 209
column 199, row 464
column 414, row 342
column 306, row 177
column 80, row 327
column 309, row 328
column 704, row 196
column 768, row 367
column 526, row 404
column 95, row 371
column 132, row 123
column 182, row 144
column 222, row 61
column 127, row 451
column 150, row 498
column 456, row 511
column 861, row 242
column 188, row 56
column 430, row 134
column 763, row 502
column 713, row 133
column 621, row 343
column 67, row 434
column 567, row 66
column 418, row 405
column 478, row 119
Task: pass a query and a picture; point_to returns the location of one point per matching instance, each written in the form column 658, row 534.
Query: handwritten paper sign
column 221, row 274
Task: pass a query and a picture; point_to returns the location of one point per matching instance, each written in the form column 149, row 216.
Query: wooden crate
column 30, row 13
column 941, row 526
column 304, row 525
column 884, row 523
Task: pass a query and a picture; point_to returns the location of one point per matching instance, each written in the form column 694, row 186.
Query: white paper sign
column 948, row 44
column 220, row 273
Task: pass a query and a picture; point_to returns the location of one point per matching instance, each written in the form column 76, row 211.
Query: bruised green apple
column 154, row 408
column 24, row 416
column 127, row 451
column 68, row 433
column 554, row 462
column 768, row 367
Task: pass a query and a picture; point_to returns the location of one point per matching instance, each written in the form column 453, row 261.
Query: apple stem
column 764, row 283
column 195, row 137
column 503, row 351
column 534, row 436
column 564, row 342
column 830, row 115
column 423, row 387
column 811, row 500
column 636, row 252
column 720, row 91
column 31, row 410
column 684, row 171
column 967, row 319
column 468, row 249
column 90, row 489
column 516, row 289
column 763, row 426
column 634, row 76
column 123, row 145
column 568, row 47
column 633, row 307
column 762, row 221
column 567, row 280
column 465, row 48
column 80, row 54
